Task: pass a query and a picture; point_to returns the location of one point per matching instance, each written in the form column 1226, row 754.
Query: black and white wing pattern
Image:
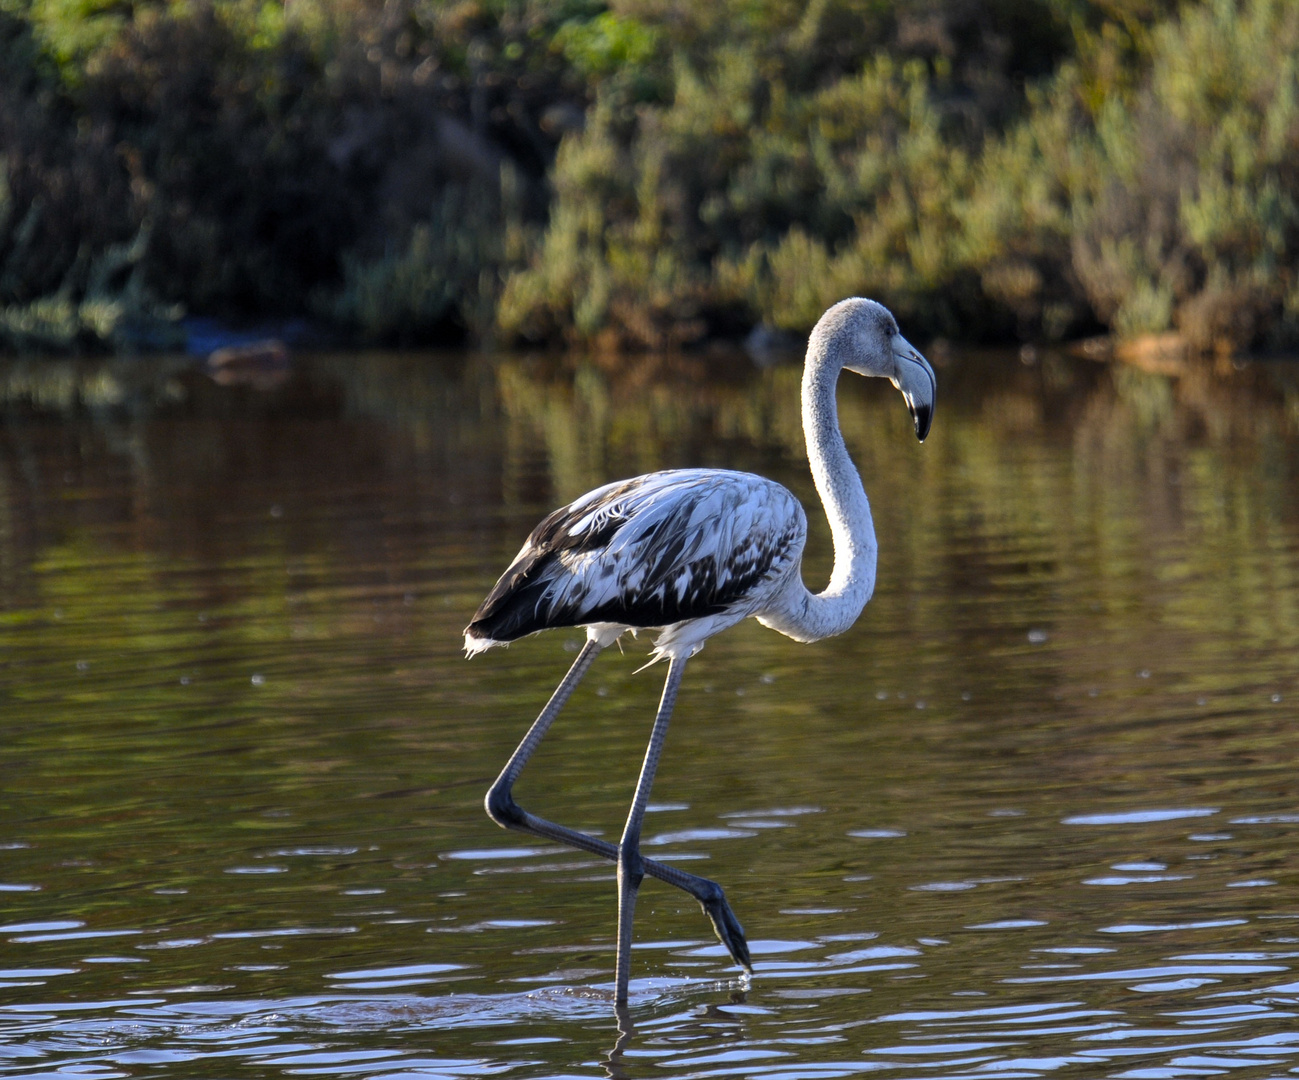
column 647, row 552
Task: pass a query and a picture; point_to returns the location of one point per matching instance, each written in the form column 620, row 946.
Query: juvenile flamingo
column 690, row 552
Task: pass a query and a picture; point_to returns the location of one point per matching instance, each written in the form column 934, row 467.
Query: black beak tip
column 922, row 415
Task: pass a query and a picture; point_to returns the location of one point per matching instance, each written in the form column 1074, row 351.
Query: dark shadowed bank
column 648, row 173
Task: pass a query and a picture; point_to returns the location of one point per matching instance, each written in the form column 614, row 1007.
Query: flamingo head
column 867, row 336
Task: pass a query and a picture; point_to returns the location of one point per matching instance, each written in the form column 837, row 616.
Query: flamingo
column 690, row 552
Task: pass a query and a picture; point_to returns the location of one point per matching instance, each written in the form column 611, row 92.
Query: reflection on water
column 1035, row 815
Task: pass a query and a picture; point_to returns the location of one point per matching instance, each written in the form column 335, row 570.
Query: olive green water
column 1036, row 815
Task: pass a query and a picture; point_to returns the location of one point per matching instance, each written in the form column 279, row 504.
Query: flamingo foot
column 726, row 926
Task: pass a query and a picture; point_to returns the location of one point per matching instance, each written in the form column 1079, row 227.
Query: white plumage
column 690, row 552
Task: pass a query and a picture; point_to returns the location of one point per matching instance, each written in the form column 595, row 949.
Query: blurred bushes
column 649, row 173
column 801, row 153
column 446, row 281
column 1188, row 217
column 278, row 161
column 1147, row 182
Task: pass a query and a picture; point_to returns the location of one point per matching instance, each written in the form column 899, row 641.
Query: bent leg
column 503, row 810
column 501, row 807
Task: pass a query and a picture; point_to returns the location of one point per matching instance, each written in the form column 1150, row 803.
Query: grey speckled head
column 863, row 337
column 858, row 333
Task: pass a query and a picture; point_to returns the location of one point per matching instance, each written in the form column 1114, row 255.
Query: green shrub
column 1160, row 201
column 1016, row 221
column 102, row 301
column 1195, row 222
column 1149, row 183
column 791, row 162
column 744, row 200
column 673, row 170
column 444, row 285
column 280, row 154
column 875, row 147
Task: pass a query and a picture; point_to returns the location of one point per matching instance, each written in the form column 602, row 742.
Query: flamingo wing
column 647, row 552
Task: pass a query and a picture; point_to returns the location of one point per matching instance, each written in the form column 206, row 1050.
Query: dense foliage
column 649, row 173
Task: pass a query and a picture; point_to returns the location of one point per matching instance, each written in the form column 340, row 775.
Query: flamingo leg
column 503, row 810
column 501, row 807
column 631, row 867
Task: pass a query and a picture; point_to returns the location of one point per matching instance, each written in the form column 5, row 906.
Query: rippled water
column 1036, row 815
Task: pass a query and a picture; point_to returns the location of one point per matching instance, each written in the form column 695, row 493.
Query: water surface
column 1035, row 815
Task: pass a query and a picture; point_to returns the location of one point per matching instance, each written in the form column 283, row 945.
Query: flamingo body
column 689, row 551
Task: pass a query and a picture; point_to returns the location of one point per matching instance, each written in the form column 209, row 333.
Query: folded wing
column 648, row 552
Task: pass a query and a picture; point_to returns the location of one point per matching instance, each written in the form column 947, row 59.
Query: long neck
column 803, row 615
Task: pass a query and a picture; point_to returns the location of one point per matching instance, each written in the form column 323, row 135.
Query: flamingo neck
column 804, row 615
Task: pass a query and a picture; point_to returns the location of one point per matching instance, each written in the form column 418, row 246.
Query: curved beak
column 915, row 378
